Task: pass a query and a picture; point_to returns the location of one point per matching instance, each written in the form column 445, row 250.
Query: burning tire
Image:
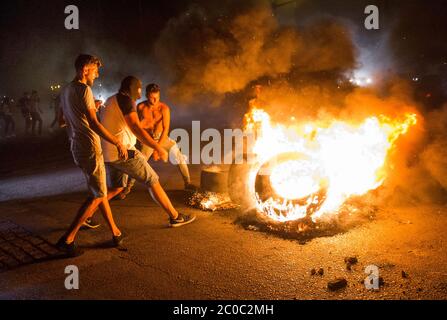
column 294, row 194
column 257, row 186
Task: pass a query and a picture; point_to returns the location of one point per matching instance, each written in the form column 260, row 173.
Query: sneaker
column 118, row 240
column 71, row 249
column 89, row 224
column 181, row 220
column 126, row 190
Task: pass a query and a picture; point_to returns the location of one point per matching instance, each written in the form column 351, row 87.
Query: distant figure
column 6, row 116
column 56, row 101
column 25, row 109
column 35, row 112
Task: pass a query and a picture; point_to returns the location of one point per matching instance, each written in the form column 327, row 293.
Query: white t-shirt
column 112, row 118
column 76, row 100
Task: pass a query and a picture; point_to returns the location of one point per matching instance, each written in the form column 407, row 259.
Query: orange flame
column 321, row 167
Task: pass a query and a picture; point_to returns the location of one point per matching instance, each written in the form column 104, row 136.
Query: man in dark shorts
column 35, row 113
column 119, row 116
column 25, row 106
column 6, row 116
column 79, row 112
column 55, row 103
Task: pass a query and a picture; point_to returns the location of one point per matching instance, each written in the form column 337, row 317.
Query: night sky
column 37, row 51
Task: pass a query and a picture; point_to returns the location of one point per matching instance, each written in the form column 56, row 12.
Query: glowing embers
column 289, row 187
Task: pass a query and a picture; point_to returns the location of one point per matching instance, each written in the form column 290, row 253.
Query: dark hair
column 152, row 88
column 131, row 85
column 85, row 59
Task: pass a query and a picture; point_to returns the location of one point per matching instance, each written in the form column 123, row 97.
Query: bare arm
column 166, row 124
column 140, row 108
column 103, row 133
column 134, row 124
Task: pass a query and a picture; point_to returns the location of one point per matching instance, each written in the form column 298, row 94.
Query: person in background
column 6, row 115
column 25, row 109
column 55, row 104
column 35, row 113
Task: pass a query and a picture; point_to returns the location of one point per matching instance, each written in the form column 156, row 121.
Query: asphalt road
column 214, row 258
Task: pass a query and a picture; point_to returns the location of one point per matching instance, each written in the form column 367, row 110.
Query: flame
column 314, row 169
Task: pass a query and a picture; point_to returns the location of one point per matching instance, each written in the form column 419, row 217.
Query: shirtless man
column 155, row 118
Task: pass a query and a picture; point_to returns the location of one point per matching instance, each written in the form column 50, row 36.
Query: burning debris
column 314, row 272
column 304, row 230
column 337, row 284
column 308, row 171
column 350, row 261
column 213, row 195
column 211, row 201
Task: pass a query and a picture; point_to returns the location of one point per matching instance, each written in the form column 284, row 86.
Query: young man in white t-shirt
column 78, row 111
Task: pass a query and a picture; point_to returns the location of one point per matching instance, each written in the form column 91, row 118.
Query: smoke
column 37, row 51
column 211, row 55
column 217, row 56
column 434, row 156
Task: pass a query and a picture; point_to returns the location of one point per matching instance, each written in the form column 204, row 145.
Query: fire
column 309, row 170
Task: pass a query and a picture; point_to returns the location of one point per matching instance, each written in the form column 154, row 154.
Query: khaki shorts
column 136, row 168
column 94, row 171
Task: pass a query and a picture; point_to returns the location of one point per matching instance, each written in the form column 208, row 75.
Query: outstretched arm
column 166, row 124
column 134, row 124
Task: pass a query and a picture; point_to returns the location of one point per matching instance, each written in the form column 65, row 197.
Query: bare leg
column 104, row 206
column 85, row 212
column 181, row 162
column 33, row 126
column 184, row 171
column 112, row 193
column 28, row 123
column 160, row 196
